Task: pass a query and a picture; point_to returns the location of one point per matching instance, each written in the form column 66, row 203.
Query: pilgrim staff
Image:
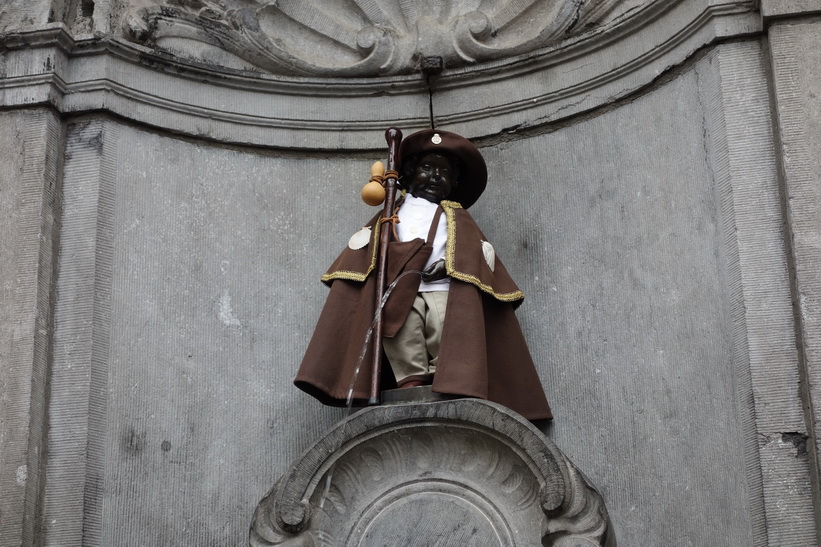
column 394, row 137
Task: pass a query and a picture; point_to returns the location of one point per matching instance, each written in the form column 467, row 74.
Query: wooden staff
column 394, row 138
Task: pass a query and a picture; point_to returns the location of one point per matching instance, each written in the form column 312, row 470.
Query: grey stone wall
column 164, row 225
column 621, row 244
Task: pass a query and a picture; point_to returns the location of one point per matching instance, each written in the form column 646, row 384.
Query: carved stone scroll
column 359, row 38
column 458, row 472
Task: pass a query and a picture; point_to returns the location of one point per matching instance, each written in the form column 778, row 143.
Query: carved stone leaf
column 359, row 38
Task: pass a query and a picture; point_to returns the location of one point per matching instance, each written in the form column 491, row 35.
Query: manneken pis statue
column 452, row 327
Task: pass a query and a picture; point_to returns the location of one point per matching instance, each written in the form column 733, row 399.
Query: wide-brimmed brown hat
column 473, row 176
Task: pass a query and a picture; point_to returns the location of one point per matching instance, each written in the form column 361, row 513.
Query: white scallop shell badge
column 490, row 255
column 360, row 239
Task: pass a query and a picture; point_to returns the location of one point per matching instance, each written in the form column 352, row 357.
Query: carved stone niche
column 359, row 38
column 454, row 472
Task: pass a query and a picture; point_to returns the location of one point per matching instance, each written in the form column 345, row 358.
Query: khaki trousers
column 415, row 348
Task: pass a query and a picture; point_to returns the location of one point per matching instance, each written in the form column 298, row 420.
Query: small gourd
column 373, row 193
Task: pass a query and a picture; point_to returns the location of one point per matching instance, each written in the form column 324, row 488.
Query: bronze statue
column 449, row 322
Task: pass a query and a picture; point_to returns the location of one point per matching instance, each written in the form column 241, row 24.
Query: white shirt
column 415, row 215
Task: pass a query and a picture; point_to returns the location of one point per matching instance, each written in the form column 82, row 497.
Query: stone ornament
column 360, row 38
column 453, row 472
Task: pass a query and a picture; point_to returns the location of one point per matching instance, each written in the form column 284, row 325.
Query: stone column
column 29, row 206
column 795, row 58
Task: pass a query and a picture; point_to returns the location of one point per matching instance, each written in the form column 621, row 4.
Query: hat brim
column 473, row 177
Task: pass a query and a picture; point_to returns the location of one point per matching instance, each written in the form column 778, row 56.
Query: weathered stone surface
column 741, row 145
column 29, row 209
column 796, row 66
column 78, row 406
column 185, row 290
column 625, row 267
column 780, row 8
column 462, row 472
column 17, row 16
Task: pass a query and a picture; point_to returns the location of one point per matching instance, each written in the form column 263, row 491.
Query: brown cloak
column 482, row 352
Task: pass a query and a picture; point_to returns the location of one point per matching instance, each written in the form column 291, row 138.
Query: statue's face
column 433, row 178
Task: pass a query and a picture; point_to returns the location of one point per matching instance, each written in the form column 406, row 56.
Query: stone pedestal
column 450, row 472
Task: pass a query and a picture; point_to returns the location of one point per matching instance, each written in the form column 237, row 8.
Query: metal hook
column 431, row 66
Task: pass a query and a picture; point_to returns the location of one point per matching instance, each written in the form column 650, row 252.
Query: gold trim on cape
column 359, row 276
column 450, row 252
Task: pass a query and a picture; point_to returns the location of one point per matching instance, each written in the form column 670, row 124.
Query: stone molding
column 51, row 66
column 377, row 478
column 771, row 9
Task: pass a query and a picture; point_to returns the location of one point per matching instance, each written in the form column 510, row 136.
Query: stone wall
column 168, row 210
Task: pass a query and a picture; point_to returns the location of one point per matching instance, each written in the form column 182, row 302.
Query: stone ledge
column 771, row 9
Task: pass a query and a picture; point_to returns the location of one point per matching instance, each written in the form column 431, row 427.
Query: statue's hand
column 435, row 271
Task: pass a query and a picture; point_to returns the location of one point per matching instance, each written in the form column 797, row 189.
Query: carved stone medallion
column 362, row 37
column 457, row 472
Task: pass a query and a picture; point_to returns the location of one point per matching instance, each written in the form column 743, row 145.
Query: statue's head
column 432, row 175
column 438, row 165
